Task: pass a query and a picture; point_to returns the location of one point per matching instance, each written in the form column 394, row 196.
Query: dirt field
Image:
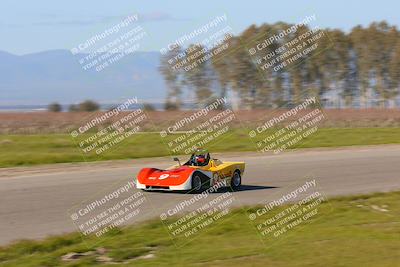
column 65, row 122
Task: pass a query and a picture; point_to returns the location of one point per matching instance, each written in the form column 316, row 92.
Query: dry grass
column 49, row 122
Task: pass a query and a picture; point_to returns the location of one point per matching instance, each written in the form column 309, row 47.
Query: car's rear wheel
column 236, row 180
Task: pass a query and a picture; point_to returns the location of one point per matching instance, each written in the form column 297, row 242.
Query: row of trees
column 362, row 67
column 85, row 106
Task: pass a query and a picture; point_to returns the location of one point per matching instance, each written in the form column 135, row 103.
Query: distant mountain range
column 56, row 75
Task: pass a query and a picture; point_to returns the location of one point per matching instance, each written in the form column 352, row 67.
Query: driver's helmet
column 200, row 156
column 199, row 159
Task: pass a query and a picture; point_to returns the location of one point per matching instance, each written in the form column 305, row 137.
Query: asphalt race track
column 34, row 201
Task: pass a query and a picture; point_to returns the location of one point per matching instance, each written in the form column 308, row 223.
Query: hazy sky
column 32, row 26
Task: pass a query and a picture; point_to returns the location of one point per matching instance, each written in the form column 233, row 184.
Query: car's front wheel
column 196, row 183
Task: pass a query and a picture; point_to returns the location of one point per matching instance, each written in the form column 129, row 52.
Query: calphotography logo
column 109, row 210
column 187, row 219
column 291, row 210
column 111, row 45
column 289, row 128
column 289, row 46
column 200, row 128
column 195, row 49
column 108, row 130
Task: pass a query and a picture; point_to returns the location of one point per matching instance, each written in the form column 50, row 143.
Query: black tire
column 200, row 182
column 236, row 180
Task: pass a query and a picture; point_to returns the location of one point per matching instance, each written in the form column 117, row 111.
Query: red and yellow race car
column 197, row 174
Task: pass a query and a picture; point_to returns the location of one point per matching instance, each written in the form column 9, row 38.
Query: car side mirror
column 176, row 159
